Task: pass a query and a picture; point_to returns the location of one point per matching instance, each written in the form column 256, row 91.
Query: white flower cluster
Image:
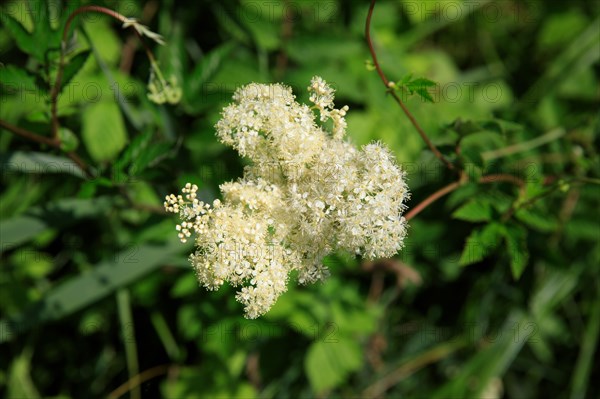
column 307, row 193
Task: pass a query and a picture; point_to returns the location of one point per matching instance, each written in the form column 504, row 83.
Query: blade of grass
column 75, row 294
column 128, row 333
column 587, row 349
column 580, row 54
column 165, row 335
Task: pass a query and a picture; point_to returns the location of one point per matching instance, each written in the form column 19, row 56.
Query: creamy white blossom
column 307, row 192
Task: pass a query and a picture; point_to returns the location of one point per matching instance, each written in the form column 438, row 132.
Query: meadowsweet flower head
column 307, row 192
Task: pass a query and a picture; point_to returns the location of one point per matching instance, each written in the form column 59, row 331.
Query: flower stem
column 386, row 82
column 63, row 47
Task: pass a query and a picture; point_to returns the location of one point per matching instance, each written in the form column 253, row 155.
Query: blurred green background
column 496, row 293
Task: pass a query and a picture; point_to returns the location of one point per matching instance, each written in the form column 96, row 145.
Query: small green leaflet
column 419, row 86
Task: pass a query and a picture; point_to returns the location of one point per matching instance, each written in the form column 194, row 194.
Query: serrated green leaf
column 480, row 243
column 419, row 86
column 472, row 156
column 103, row 130
column 474, row 211
column 328, row 364
column 421, row 82
column 543, row 223
column 25, row 40
column 73, row 66
column 405, row 79
column 516, row 246
column 15, row 78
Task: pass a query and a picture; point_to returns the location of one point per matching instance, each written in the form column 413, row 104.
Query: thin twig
column 386, row 82
column 63, row 47
column 502, row 177
column 48, row 141
column 432, row 198
column 29, row 135
column 494, row 178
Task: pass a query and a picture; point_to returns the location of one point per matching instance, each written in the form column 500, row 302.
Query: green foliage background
column 496, row 293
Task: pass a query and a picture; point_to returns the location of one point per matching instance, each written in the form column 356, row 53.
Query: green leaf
column 20, row 384
column 186, row 285
column 489, row 363
column 105, row 278
column 103, row 131
column 545, row 223
column 480, row 243
column 42, row 38
column 133, row 150
column 516, row 247
column 39, row 163
column 464, row 128
column 73, row 66
column 25, row 41
column 62, row 213
column 474, row 211
column 327, row 364
column 15, row 78
column 196, row 87
column 31, row 263
column 419, row 86
column 150, row 157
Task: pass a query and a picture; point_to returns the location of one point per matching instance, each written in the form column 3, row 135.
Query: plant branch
column 494, row 178
column 431, row 199
column 29, row 135
column 386, row 82
column 63, row 47
column 48, row 141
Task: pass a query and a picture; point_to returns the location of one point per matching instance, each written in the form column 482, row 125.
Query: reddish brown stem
column 29, row 135
column 502, row 177
column 431, row 199
column 45, row 140
column 59, row 74
column 386, row 82
column 494, row 178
